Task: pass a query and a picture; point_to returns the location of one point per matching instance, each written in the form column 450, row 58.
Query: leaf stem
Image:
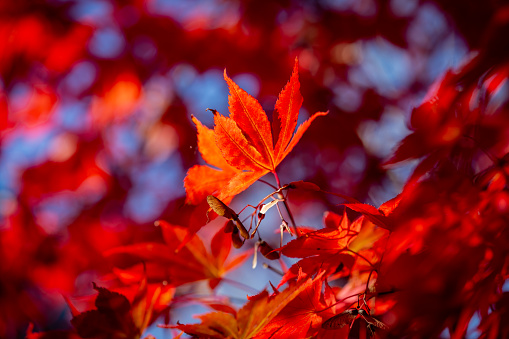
column 273, row 269
column 268, row 183
column 277, row 179
column 294, row 225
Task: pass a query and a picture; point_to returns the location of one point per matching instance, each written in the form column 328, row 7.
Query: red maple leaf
column 111, row 318
column 245, row 142
column 334, row 247
column 326, row 241
column 303, row 316
column 380, row 216
column 115, row 316
column 250, row 320
column 193, row 262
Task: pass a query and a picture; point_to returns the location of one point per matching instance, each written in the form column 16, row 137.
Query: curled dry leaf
column 236, row 241
column 340, row 320
column 267, row 251
column 221, row 209
column 347, row 317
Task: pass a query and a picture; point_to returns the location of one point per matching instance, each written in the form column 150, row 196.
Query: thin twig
column 361, row 256
column 294, row 225
column 273, row 269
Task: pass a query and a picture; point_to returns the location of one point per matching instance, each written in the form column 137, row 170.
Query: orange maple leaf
column 241, row 146
column 193, row 262
column 259, row 311
column 326, row 241
column 301, row 317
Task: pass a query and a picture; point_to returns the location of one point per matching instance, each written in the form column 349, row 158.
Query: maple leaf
column 111, row 318
column 453, row 122
column 245, row 142
column 378, row 216
column 192, row 263
column 326, row 241
column 148, row 301
column 334, row 247
column 250, row 319
column 302, row 317
column 330, row 249
column 115, row 316
column 330, row 263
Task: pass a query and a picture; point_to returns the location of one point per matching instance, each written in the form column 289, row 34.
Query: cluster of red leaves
column 404, row 260
column 439, row 250
column 448, row 249
column 114, row 316
column 440, row 257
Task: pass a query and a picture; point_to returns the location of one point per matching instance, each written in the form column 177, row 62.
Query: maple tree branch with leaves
column 393, row 259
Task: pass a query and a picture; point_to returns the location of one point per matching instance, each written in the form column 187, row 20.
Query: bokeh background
column 96, row 100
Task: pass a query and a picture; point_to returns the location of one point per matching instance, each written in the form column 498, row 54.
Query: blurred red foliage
column 96, row 136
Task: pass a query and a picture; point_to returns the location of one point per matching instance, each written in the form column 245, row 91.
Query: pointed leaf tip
column 249, row 116
column 286, row 113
